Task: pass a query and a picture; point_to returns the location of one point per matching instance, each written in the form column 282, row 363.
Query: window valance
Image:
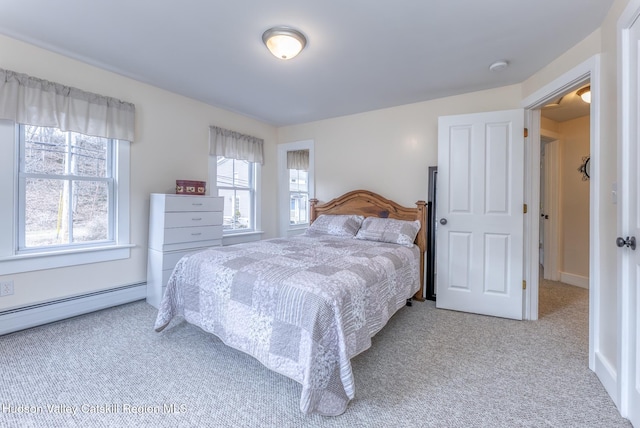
column 298, row 159
column 33, row 101
column 233, row 145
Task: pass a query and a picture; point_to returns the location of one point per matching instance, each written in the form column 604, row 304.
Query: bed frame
column 369, row 204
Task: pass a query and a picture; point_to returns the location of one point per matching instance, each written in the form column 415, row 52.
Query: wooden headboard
column 369, row 204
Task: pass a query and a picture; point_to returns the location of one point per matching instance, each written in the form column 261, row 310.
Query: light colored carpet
column 426, row 368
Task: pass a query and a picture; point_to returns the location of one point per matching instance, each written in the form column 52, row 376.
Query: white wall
column 388, row 151
column 574, row 234
column 575, row 198
column 171, row 143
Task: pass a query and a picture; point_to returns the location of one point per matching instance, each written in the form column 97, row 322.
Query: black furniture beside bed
column 430, row 285
column 304, row 306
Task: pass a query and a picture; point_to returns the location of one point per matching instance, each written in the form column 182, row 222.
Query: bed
column 305, row 306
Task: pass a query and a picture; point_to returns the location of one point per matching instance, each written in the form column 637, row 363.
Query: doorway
column 549, row 205
column 585, row 73
column 564, row 192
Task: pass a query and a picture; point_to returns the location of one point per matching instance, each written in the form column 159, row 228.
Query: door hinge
column 524, row 284
column 524, row 208
column 526, row 132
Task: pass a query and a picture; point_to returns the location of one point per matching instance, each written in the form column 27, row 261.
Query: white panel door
column 630, row 227
column 480, row 213
column 550, row 212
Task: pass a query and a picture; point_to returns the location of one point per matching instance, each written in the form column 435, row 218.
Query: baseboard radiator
column 12, row 320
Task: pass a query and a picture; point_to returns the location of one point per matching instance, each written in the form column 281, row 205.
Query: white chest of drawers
column 178, row 224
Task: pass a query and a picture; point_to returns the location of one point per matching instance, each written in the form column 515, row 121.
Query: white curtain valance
column 298, row 159
column 234, row 145
column 32, row 101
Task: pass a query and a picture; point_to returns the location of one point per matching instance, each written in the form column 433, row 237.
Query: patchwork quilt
column 302, row 306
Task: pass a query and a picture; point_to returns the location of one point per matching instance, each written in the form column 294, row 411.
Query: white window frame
column 109, row 180
column 11, row 260
column 239, row 236
column 285, row 228
column 299, row 193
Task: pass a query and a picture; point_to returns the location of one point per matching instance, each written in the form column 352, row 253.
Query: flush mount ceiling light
column 585, row 94
column 284, row 42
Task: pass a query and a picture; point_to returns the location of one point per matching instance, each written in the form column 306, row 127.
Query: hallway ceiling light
column 585, row 94
column 284, row 42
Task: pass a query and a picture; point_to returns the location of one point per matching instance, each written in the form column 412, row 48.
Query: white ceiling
column 361, row 54
column 567, row 107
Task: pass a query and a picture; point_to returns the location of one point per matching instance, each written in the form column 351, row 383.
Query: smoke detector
column 498, row 65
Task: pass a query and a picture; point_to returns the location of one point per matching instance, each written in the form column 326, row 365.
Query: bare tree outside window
column 66, row 187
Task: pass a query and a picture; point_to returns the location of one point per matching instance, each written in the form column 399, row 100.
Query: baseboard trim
column 577, row 280
column 43, row 313
column 607, row 375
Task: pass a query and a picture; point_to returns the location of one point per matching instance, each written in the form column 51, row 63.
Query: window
column 295, row 186
column 66, row 189
column 298, row 197
column 64, row 196
column 64, row 199
column 234, row 165
column 235, row 180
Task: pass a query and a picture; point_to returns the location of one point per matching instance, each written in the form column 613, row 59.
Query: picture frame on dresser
column 178, row 225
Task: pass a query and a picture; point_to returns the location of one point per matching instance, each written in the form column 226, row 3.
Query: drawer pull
column 197, row 219
column 196, row 234
column 197, row 204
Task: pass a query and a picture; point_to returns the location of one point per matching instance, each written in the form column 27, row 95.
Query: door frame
column 552, row 207
column 588, row 71
column 625, row 305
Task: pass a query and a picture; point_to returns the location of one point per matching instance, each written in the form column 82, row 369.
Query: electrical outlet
column 6, row 288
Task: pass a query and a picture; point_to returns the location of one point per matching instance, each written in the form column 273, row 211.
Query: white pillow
column 338, row 225
column 390, row 230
